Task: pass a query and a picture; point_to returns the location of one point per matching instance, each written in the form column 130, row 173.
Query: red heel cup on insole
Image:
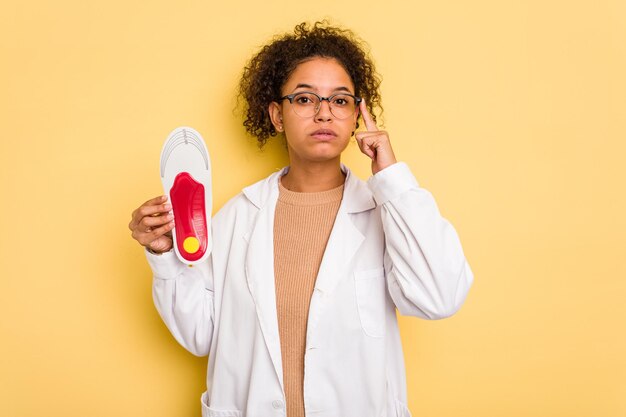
column 187, row 199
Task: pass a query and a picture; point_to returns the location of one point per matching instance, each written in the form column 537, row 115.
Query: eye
column 341, row 101
column 305, row 99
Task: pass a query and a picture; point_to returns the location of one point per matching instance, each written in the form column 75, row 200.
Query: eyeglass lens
column 308, row 104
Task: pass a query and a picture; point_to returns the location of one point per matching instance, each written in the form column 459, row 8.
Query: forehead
column 322, row 74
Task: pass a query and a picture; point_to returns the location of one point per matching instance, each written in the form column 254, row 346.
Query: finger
column 152, row 210
column 138, row 213
column 146, row 238
column 152, row 221
column 367, row 118
column 155, row 200
column 365, row 147
column 373, row 141
column 160, row 231
column 367, row 134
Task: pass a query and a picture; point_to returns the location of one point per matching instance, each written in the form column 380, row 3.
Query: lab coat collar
column 357, row 196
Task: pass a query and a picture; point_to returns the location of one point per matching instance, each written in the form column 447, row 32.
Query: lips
column 324, row 134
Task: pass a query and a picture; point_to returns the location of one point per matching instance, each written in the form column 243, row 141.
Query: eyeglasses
column 306, row 104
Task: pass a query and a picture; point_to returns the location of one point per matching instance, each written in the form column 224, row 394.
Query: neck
column 313, row 177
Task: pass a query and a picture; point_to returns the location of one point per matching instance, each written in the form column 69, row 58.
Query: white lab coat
column 389, row 248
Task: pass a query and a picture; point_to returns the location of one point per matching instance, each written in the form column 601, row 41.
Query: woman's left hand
column 374, row 143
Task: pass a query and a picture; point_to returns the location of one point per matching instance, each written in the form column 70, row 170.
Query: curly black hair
column 268, row 70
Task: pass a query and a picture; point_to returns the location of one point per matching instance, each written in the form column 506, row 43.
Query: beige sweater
column 302, row 225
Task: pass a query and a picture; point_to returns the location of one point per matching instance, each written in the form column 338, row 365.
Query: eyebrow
column 301, row 85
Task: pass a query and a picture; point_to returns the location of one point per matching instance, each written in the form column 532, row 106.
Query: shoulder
column 249, row 200
column 232, row 206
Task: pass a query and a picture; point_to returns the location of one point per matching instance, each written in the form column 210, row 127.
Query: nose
column 323, row 113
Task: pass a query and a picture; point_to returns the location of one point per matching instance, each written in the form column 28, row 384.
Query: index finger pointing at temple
column 369, row 122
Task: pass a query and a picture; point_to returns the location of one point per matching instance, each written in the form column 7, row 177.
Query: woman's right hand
column 152, row 225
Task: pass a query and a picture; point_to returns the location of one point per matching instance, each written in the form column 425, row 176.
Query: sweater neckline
column 309, row 199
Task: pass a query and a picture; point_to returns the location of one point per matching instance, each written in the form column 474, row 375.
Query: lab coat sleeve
column 427, row 273
column 183, row 296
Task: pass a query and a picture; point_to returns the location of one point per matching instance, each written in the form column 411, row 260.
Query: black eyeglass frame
column 290, row 97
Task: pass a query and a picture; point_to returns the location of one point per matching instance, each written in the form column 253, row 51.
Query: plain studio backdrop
column 512, row 113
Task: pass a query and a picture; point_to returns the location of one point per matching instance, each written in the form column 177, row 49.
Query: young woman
column 296, row 306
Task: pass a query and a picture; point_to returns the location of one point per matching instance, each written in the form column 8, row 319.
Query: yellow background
column 511, row 113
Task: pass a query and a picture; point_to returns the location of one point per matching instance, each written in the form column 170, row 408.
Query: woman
column 296, row 305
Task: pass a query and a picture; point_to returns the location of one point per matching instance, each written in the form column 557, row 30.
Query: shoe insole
column 186, row 177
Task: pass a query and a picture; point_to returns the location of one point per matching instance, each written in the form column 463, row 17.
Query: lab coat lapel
column 343, row 243
column 260, row 271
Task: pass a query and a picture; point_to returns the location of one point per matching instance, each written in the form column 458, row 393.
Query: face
column 321, row 137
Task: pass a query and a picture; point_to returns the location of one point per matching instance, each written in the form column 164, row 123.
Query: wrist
column 154, row 252
column 387, row 164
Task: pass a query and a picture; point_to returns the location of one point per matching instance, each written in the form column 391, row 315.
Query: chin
column 324, row 153
column 320, row 156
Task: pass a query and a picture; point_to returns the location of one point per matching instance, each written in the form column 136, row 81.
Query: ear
column 276, row 117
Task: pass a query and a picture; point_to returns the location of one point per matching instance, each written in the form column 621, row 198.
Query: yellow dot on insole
column 191, row 245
